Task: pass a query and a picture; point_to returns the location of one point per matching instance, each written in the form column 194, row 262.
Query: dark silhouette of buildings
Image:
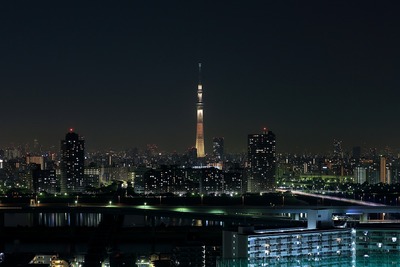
column 262, row 162
column 218, row 148
column 72, row 163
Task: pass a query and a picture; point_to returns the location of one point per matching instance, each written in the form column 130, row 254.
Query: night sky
column 124, row 73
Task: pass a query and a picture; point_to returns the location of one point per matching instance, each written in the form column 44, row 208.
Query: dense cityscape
column 262, row 176
column 199, row 134
column 275, row 209
column 33, row 169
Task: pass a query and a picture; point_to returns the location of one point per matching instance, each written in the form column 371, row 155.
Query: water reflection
column 93, row 220
column 67, row 219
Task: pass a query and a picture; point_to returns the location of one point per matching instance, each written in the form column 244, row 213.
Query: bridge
column 238, row 214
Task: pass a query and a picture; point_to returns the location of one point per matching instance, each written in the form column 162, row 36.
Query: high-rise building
column 383, row 177
column 200, row 127
column 218, row 148
column 360, row 174
column 337, row 149
column 262, row 162
column 43, row 180
column 72, row 163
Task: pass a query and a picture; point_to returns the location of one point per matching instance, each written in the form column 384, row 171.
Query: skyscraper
column 72, row 163
column 337, row 149
column 262, row 162
column 218, row 148
column 383, row 175
column 200, row 128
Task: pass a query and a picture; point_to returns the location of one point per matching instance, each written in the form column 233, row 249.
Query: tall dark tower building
column 72, row 163
column 337, row 149
column 200, row 127
column 218, row 148
column 262, row 162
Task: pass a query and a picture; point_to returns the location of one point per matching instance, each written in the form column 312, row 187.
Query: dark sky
column 124, row 73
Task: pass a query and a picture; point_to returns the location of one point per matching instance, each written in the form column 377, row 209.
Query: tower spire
column 199, row 73
column 200, row 127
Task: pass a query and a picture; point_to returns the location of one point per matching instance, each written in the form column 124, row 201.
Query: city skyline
column 125, row 75
column 34, row 146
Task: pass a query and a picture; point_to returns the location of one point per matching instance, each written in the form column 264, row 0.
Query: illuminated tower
column 200, row 128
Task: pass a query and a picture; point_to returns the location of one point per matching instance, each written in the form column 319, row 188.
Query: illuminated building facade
column 360, row 175
column 200, row 126
column 378, row 241
column 262, row 162
column 234, row 180
column 139, row 179
column 72, row 163
column 288, row 247
column 218, row 148
column 175, row 179
column 37, row 160
column 93, row 176
column 383, row 175
column 195, row 254
column 43, row 180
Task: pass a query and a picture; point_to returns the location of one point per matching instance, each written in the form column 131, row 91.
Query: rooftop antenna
column 199, row 73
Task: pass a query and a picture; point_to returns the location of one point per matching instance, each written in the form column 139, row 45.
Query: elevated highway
column 216, row 213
